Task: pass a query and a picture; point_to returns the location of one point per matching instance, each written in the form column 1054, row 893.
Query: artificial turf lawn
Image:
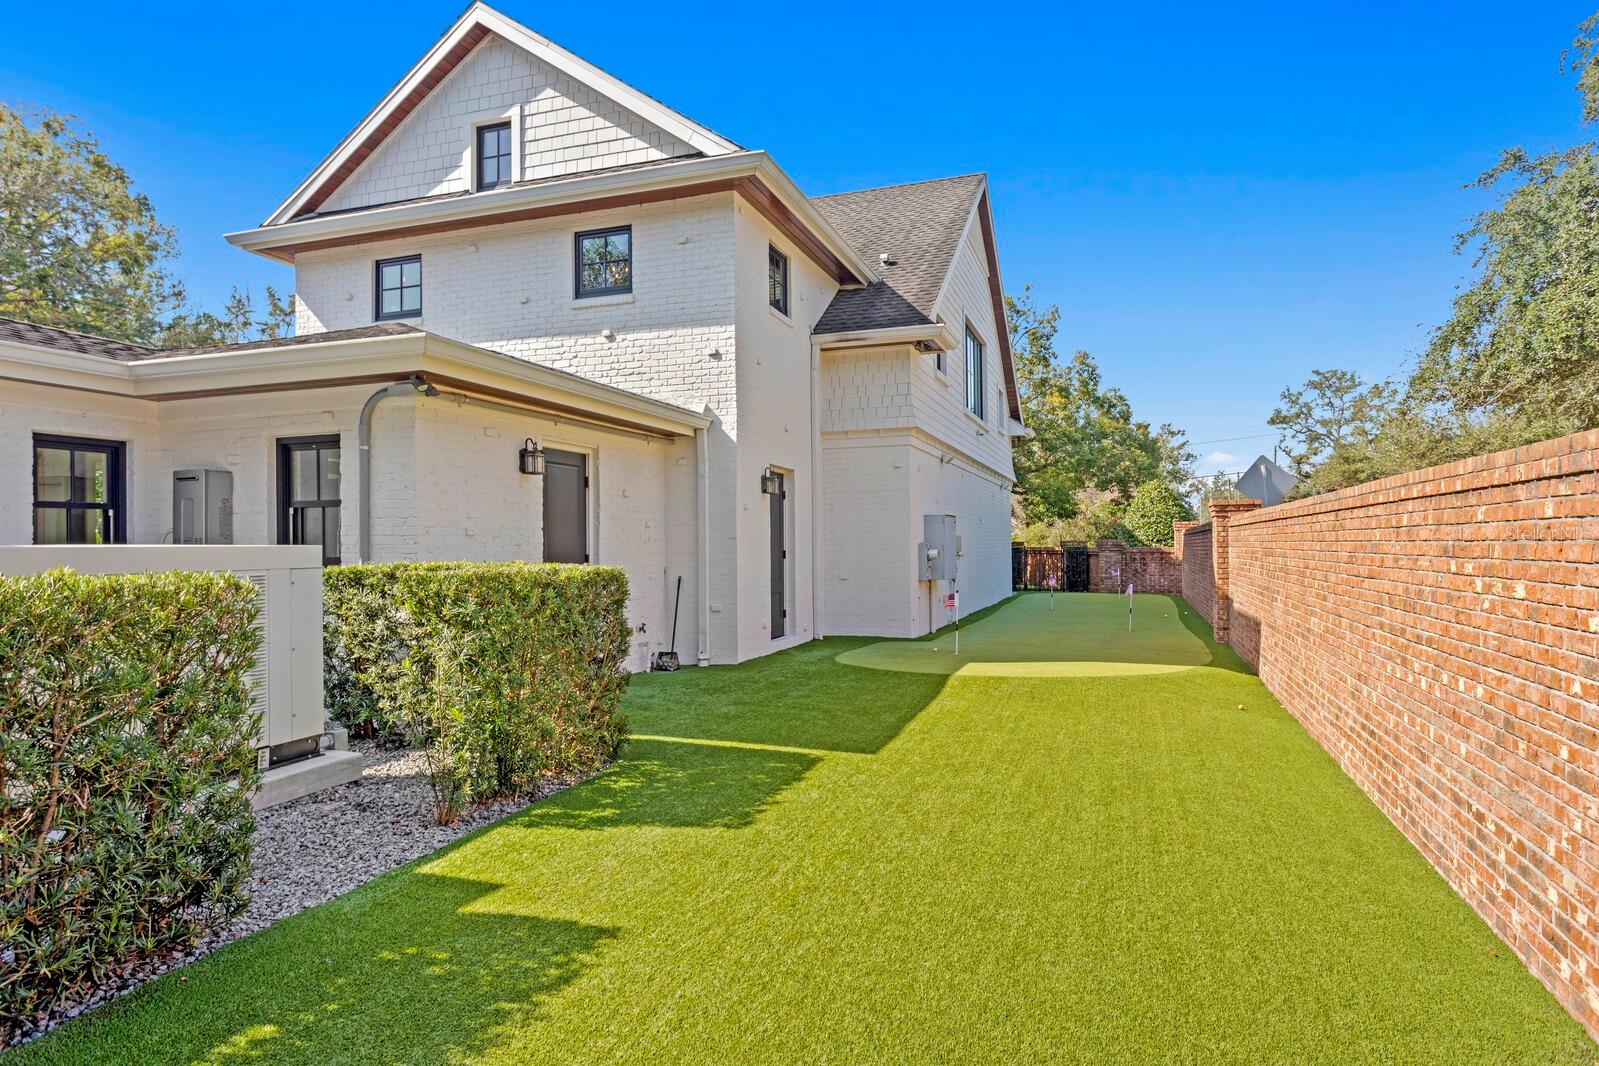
column 803, row 860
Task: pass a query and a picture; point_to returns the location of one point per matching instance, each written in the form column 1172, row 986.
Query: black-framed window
column 604, row 261
column 78, row 491
column 974, row 373
column 493, row 155
column 308, row 494
column 777, row 279
column 399, row 287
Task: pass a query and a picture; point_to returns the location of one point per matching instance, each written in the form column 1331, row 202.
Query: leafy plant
column 126, row 764
column 1155, row 506
column 501, row 673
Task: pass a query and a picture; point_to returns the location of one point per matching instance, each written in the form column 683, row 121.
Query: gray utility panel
column 202, row 507
column 936, row 553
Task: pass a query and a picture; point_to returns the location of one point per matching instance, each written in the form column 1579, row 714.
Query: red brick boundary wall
column 1111, row 565
column 1198, row 579
column 1438, row 633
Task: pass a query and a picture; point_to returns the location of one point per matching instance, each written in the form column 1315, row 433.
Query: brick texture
column 1438, row 633
column 1198, row 574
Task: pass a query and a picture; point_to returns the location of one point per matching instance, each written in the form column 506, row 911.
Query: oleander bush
column 127, row 757
column 501, row 673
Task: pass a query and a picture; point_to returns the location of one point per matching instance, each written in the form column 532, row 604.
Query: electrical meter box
column 936, row 554
column 202, row 507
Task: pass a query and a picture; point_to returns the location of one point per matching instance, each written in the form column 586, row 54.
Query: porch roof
column 380, row 354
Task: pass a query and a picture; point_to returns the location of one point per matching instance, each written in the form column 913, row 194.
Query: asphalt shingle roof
column 66, row 340
column 919, row 227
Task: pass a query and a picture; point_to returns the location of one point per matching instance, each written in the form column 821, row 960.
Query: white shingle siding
column 566, row 128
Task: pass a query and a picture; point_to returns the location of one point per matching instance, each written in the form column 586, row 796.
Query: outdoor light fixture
column 771, row 484
column 530, row 460
column 423, row 385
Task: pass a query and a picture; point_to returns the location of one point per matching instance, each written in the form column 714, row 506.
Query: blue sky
column 1220, row 197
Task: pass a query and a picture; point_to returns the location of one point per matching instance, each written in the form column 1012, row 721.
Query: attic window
column 493, row 156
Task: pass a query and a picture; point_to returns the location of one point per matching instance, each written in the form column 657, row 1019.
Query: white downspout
column 363, row 437
column 816, row 496
column 702, row 463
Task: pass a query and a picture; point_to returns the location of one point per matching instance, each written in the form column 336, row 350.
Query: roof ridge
column 904, row 185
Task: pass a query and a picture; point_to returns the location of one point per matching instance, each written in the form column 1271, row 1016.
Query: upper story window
column 605, row 261
column 777, row 279
column 493, row 155
column 399, row 287
column 974, row 373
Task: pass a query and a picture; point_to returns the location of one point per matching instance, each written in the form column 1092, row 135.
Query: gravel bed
column 309, row 850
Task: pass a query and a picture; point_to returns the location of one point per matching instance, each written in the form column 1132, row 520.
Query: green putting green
column 1079, row 634
column 797, row 860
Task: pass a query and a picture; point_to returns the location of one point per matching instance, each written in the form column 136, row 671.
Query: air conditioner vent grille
column 256, row 679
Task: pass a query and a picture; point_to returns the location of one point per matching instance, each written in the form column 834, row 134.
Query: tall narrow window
column 974, row 373
column 493, row 155
column 308, row 494
column 77, row 491
column 399, row 287
column 604, row 261
column 777, row 279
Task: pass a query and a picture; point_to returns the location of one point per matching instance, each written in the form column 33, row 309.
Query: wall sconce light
column 530, row 460
column 771, row 484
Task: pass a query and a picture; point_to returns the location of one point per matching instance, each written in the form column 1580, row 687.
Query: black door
column 566, row 507
column 779, row 559
column 77, row 491
column 309, row 493
column 1076, row 569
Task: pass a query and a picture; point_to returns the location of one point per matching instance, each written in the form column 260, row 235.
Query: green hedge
column 126, row 733
column 500, row 672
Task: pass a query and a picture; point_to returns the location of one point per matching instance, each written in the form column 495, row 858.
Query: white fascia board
column 74, row 370
column 651, row 110
column 377, row 220
column 579, row 187
column 303, row 365
column 937, row 332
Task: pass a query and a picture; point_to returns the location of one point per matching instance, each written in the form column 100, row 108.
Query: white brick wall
column 566, row 127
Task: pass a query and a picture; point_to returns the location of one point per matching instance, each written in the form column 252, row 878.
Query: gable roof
column 918, row 226
column 478, row 23
column 34, row 335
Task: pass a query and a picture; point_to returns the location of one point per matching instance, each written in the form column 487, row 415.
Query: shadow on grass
column 1221, row 656
column 677, row 784
column 446, row 983
column 800, row 698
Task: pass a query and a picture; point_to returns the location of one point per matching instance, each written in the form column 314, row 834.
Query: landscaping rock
column 309, row 850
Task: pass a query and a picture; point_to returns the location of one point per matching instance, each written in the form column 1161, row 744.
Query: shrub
column 1154, row 507
column 126, row 761
column 500, row 672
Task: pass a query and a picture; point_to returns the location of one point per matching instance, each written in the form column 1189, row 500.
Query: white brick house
column 513, row 245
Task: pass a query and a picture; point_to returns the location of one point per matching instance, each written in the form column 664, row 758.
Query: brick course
column 1438, row 633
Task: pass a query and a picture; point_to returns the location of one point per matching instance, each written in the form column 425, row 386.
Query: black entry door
column 566, row 507
column 779, row 559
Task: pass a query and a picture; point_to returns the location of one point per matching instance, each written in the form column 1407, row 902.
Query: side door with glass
column 308, row 494
column 78, row 491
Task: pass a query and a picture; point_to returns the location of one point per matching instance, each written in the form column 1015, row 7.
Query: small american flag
column 951, row 599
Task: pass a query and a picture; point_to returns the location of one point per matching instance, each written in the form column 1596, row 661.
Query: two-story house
column 540, row 315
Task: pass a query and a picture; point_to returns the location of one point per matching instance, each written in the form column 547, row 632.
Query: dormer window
column 493, row 156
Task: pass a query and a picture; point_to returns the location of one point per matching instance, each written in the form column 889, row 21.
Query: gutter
column 935, row 333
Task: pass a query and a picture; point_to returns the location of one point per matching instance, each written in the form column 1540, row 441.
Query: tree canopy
column 1516, row 361
column 81, row 250
column 1088, row 454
